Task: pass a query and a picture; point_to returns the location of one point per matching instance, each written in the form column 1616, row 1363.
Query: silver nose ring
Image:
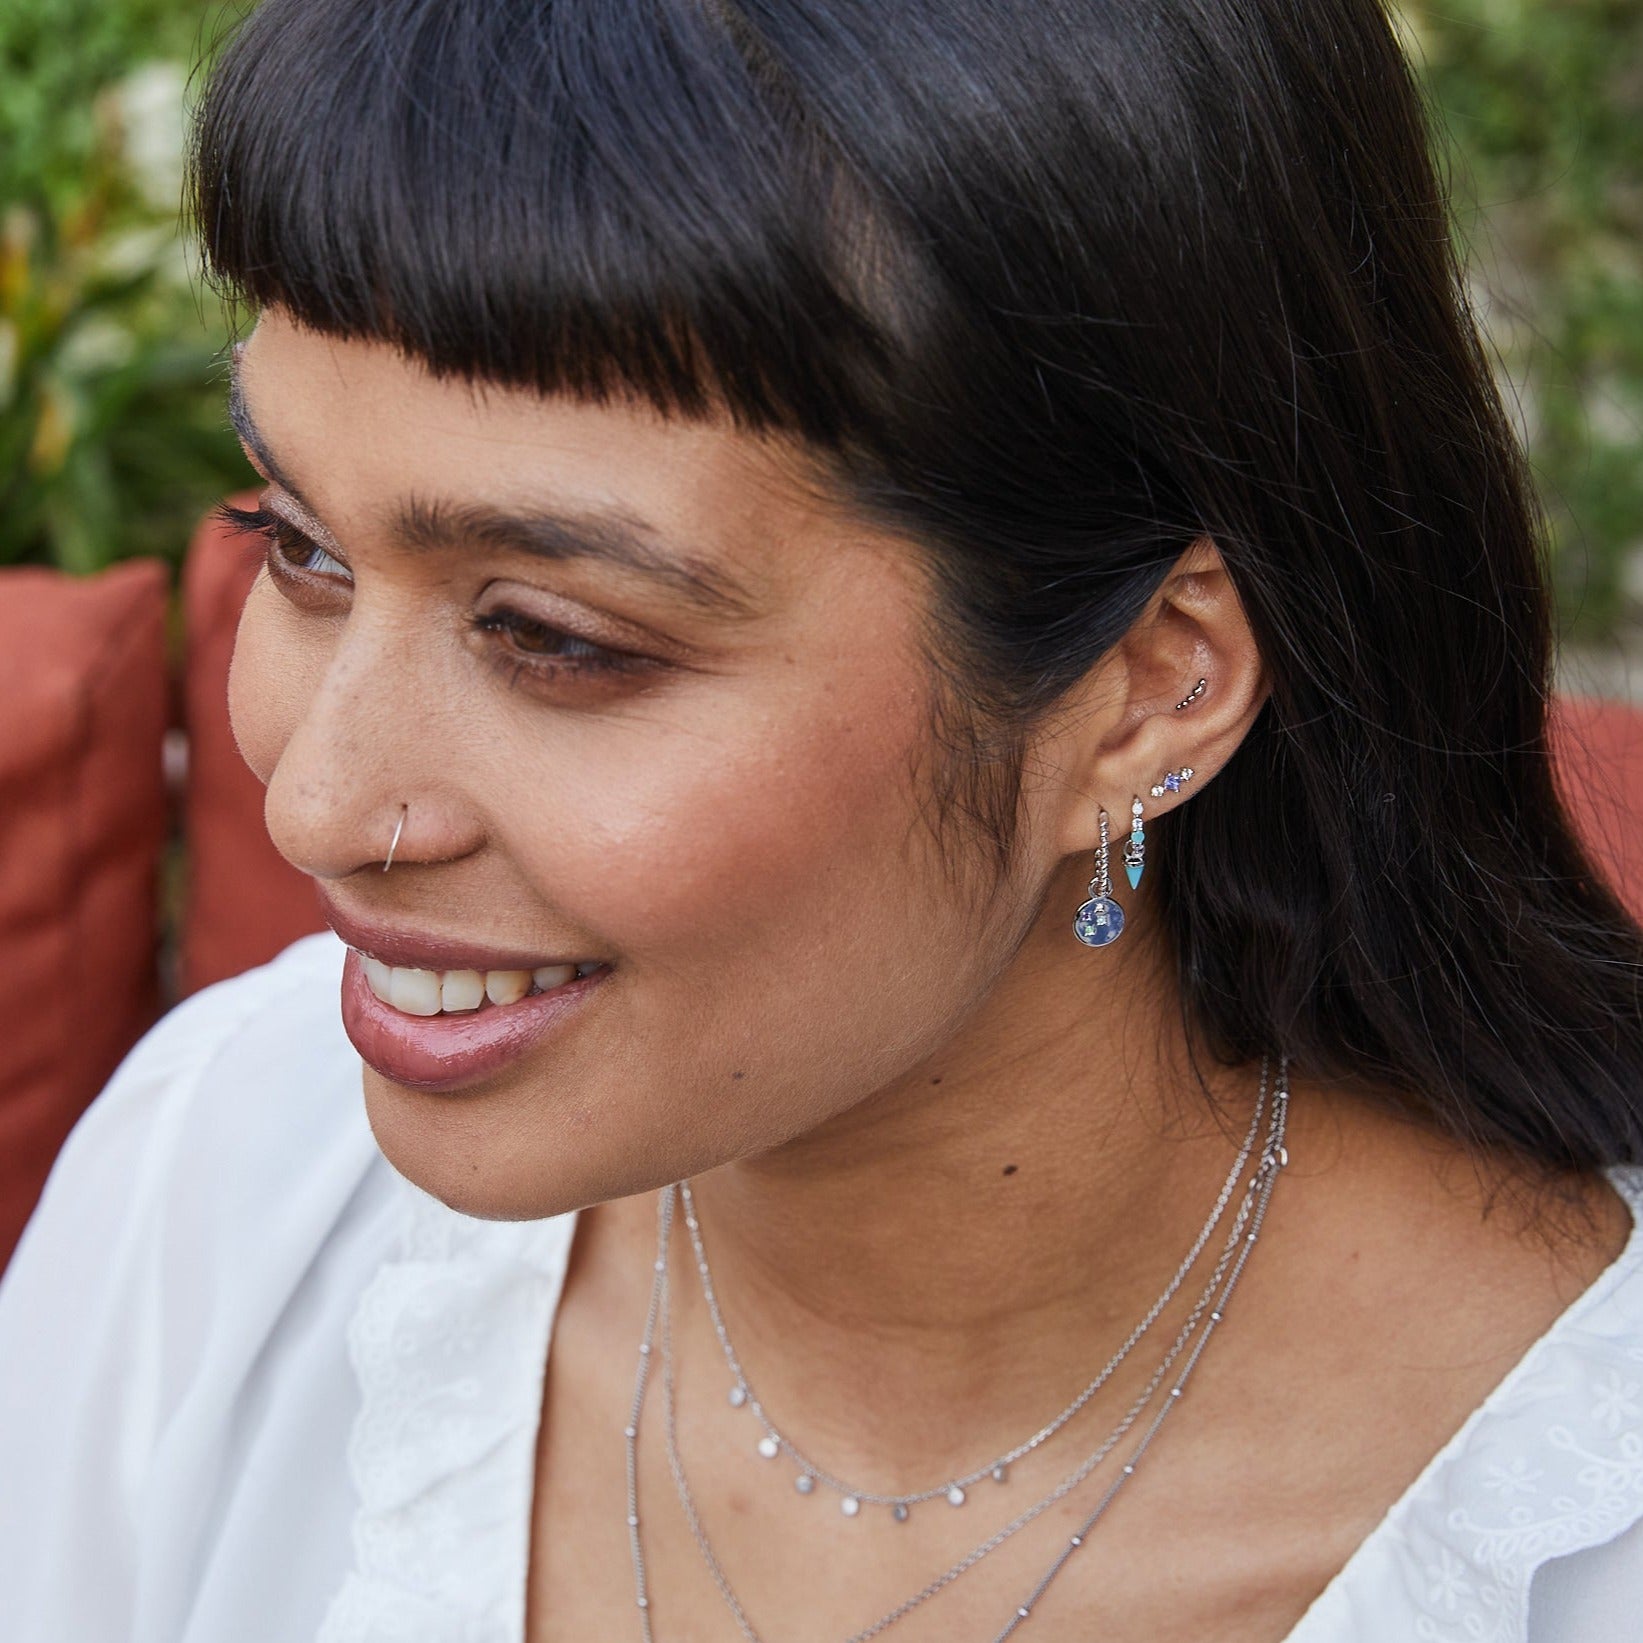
column 404, row 811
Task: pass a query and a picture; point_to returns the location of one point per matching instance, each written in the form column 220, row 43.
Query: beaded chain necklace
column 1193, row 1337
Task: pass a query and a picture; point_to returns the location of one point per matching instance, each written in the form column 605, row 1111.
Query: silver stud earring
column 1192, row 695
column 1100, row 920
column 404, row 811
column 1172, row 782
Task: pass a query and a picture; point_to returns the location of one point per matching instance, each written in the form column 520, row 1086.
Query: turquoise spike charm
column 1135, row 852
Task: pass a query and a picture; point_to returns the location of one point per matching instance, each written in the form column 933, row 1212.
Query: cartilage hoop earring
column 1193, row 695
column 404, row 811
column 1172, row 782
column 1100, row 920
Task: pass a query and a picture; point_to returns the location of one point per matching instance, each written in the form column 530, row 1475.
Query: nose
column 366, row 772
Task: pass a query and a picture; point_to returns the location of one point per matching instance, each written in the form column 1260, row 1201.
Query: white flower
column 1519, row 1478
column 1616, row 1402
column 1446, row 1582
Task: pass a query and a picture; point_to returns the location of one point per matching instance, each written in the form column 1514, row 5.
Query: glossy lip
column 411, row 950
column 440, row 1053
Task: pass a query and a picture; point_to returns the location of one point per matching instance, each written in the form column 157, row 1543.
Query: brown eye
column 285, row 544
column 303, row 554
column 526, row 637
column 523, row 645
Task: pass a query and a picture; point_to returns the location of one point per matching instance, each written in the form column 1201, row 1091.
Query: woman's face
column 734, row 818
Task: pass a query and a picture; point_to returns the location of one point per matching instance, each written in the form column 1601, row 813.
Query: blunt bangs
column 607, row 200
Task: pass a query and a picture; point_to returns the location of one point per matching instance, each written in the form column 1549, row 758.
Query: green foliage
column 112, row 435
column 1543, row 105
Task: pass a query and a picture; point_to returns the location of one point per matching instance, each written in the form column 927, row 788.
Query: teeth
column 507, row 986
column 416, row 992
column 456, row 992
column 461, row 990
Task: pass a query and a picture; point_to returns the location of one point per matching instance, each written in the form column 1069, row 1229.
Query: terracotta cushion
column 244, row 900
column 83, row 821
column 1599, row 748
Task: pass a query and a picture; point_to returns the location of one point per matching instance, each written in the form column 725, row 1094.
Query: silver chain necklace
column 1236, row 1243
column 773, row 1442
column 1251, row 1213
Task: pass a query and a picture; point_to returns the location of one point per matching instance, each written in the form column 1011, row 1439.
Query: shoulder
column 192, row 1197
column 293, row 997
column 237, row 1090
column 172, row 1321
column 1541, row 1488
column 232, row 1127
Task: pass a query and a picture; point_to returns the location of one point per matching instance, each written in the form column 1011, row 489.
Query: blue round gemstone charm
column 1099, row 921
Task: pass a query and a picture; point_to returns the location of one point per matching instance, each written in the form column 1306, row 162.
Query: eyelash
column 282, row 540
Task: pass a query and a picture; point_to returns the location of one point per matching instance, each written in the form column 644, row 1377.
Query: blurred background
column 112, row 438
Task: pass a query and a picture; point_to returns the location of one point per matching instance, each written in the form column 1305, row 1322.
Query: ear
column 1142, row 714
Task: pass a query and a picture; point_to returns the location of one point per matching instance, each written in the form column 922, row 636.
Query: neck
column 985, row 1232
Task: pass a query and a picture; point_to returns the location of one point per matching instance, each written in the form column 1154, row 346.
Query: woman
column 908, row 645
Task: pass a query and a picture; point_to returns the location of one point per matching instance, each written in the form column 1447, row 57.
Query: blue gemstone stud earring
column 1172, row 782
column 1100, row 920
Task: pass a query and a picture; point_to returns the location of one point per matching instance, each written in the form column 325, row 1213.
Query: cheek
column 763, row 852
column 718, row 838
column 771, row 887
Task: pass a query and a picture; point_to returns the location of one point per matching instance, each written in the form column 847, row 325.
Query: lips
column 441, row 1053
column 412, row 949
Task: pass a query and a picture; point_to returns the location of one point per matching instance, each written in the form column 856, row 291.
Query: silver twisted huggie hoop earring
column 1100, row 920
column 404, row 811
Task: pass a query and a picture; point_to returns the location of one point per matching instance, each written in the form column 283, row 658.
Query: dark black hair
column 1056, row 287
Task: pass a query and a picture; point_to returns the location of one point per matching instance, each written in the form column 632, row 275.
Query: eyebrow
column 608, row 534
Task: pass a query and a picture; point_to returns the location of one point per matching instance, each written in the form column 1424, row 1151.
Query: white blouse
column 256, row 1386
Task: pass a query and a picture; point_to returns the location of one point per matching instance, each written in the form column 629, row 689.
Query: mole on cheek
column 1010, row 1169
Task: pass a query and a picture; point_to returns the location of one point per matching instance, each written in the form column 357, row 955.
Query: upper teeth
column 436, row 992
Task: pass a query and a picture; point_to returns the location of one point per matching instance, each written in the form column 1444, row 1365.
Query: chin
column 468, row 1152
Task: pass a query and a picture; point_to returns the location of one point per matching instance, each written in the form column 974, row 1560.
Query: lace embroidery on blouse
column 449, row 1343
